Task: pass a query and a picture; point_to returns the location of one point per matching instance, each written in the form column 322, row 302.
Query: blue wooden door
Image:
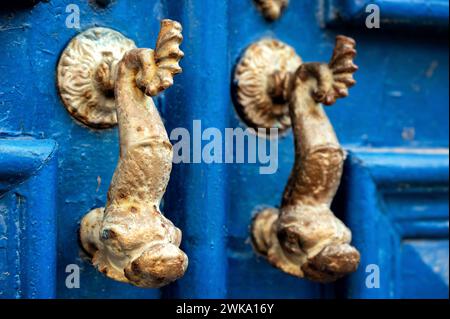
column 394, row 125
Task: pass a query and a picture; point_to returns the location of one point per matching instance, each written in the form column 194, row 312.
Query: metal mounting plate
column 82, row 61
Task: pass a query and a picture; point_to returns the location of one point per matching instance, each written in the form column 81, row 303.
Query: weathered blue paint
column 21, row 159
column 397, row 205
column 197, row 196
column 29, row 105
column 400, row 101
column 393, row 12
column 28, row 219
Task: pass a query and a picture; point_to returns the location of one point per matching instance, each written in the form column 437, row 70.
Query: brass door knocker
column 274, row 89
column 271, row 9
column 104, row 79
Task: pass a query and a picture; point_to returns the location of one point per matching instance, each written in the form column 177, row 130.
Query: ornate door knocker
column 104, row 79
column 275, row 89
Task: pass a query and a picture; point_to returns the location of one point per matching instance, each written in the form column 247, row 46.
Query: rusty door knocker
column 103, row 79
column 271, row 9
column 274, row 89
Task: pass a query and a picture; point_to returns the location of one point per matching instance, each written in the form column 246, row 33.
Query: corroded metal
column 303, row 237
column 86, row 73
column 130, row 240
column 261, row 77
column 272, row 9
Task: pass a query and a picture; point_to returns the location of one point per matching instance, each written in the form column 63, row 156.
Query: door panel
column 28, row 219
column 425, row 269
column 419, row 13
column 398, row 108
column 397, row 205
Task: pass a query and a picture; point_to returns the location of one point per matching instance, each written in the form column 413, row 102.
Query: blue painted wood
column 393, row 12
column 20, row 159
column 400, row 101
column 397, row 205
column 419, row 278
column 197, row 195
column 29, row 105
column 28, row 219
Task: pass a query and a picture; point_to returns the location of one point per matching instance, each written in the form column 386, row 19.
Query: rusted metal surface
column 260, row 84
column 272, row 9
column 130, row 240
column 86, row 72
column 304, row 238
